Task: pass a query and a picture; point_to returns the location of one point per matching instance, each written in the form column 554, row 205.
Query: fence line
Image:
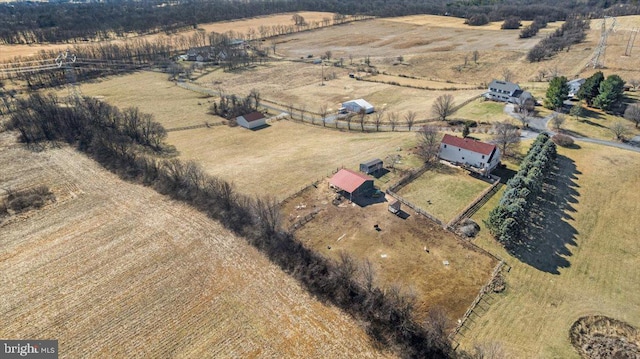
column 414, row 207
column 480, row 199
column 404, row 180
column 194, row 126
column 483, row 291
column 304, row 220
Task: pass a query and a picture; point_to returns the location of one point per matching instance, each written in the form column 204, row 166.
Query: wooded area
column 27, row 22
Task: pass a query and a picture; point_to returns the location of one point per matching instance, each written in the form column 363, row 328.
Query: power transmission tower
column 632, row 39
column 598, row 57
column 67, row 60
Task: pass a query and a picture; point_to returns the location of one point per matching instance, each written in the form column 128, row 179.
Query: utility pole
column 632, row 39
column 66, row 59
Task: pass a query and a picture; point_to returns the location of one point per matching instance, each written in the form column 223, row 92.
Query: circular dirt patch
column 603, row 337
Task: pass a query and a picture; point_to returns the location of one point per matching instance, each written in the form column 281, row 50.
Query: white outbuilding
column 481, row 156
column 251, row 120
column 358, row 105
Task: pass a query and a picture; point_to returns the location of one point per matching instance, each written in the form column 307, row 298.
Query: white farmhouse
column 507, row 92
column 482, row 157
column 357, row 105
column 574, row 87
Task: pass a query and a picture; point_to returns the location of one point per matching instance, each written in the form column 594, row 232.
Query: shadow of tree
column 545, row 245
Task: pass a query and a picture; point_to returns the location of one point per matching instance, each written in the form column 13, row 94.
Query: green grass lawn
column 443, row 191
column 594, row 253
column 482, row 111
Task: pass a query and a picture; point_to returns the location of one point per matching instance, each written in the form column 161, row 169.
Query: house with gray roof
column 504, row 91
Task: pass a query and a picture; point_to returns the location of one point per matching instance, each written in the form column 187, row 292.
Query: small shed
column 358, row 105
column 394, row 206
column 371, row 166
column 352, row 182
column 251, row 120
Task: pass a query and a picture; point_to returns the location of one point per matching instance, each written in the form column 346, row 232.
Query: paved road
column 539, row 124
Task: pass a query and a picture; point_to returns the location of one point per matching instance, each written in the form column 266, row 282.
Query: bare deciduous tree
column 361, row 116
column 392, row 117
column 507, row 75
column 410, row 119
column 328, row 54
column 620, row 130
column 476, row 56
column 377, row 118
column 634, row 83
column 524, row 116
column 443, row 107
column 557, row 119
column 349, row 118
column 290, row 109
column 632, row 113
column 491, row 350
column 506, row 136
column 428, row 144
column 323, row 114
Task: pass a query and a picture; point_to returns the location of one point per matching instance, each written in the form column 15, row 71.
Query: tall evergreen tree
column 590, row 89
column 611, row 91
column 557, row 93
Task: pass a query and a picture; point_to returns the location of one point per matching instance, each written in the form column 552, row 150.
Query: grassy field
column 443, row 191
column 277, row 160
column 301, row 85
column 134, row 274
column 397, row 251
column 482, row 111
column 583, row 264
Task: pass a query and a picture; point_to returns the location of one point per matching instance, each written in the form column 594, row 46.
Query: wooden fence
column 404, row 180
column 417, row 209
column 195, row 126
column 475, row 205
column 304, row 220
column 483, row 291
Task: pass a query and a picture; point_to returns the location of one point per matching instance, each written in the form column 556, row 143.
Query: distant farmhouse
column 356, row 106
column 251, row 120
column 480, row 156
column 574, row 87
column 216, row 53
column 507, row 92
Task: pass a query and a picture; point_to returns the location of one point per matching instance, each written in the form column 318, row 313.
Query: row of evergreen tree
column 111, row 138
column 573, row 31
column 508, row 221
column 59, row 21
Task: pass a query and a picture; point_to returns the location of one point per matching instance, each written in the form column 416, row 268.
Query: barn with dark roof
column 482, row 156
column 251, row 120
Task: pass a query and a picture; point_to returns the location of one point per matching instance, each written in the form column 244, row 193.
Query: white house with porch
column 482, row 157
column 504, row 91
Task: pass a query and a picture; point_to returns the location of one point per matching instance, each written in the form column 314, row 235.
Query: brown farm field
column 397, row 251
column 584, row 263
column 8, row 52
column 435, row 47
column 116, row 270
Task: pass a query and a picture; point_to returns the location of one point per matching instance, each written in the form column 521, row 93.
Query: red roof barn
column 352, row 182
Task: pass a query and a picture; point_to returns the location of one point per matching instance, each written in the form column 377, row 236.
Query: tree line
column 31, row 22
column 509, row 219
column 573, row 31
column 112, row 138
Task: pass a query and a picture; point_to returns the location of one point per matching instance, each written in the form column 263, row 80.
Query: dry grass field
column 115, row 270
column 277, row 160
column 593, row 248
column 8, row 52
column 444, row 191
column 435, row 47
column 397, row 250
column 301, row 85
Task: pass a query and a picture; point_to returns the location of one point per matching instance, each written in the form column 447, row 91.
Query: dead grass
column 397, row 251
column 116, row 265
column 443, row 191
column 532, row 318
column 8, row 52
